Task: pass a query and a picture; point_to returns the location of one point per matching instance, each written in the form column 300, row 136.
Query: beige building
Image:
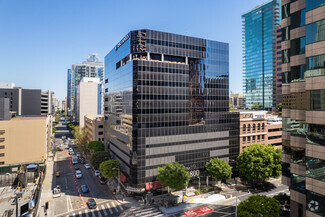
column 237, row 100
column 94, row 124
column 24, row 140
column 88, row 99
column 259, row 127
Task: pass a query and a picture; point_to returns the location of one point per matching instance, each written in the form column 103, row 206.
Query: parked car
column 82, row 161
column 87, row 166
column 78, row 154
column 91, row 203
column 102, row 180
column 97, row 173
column 77, row 167
column 78, row 174
column 84, row 188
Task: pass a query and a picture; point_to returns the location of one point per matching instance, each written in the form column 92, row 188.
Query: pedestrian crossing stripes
column 146, row 212
column 103, row 209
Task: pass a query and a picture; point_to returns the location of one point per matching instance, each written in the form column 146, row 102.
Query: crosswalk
column 111, row 208
column 146, row 212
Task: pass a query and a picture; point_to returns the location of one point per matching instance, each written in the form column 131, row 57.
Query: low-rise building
column 259, row 127
column 24, row 140
column 94, row 125
column 237, row 100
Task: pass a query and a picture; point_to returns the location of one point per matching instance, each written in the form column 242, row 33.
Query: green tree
column 256, row 107
column 109, row 168
column 231, row 107
column 57, row 118
column 98, row 157
column 259, row 162
column 173, row 175
column 279, row 107
column 80, row 134
column 258, row 205
column 218, row 169
column 53, row 130
column 96, row 146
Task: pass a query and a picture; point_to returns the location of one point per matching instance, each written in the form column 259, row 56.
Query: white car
column 78, row 174
column 97, row 173
column 87, row 166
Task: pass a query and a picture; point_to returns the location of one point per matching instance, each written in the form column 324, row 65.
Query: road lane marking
column 93, row 214
column 80, row 213
column 104, row 210
column 109, row 208
column 100, row 215
column 115, row 207
column 70, row 203
column 121, row 208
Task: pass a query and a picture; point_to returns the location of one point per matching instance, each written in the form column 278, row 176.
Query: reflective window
column 315, row 203
column 297, row 19
column 317, row 100
column 249, row 128
column 298, row 183
column 297, row 46
column 315, row 62
column 316, row 134
column 244, row 128
column 285, row 11
column 315, row 32
column 285, row 33
column 285, row 169
column 312, row 4
column 285, row 56
column 316, row 169
column 298, row 156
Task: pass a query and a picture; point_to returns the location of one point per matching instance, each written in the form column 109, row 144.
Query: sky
column 41, row 39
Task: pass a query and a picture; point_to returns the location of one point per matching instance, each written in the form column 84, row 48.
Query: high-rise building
column 88, row 99
column 167, row 100
column 28, row 101
column 259, row 52
column 91, row 68
column 277, row 78
column 303, row 95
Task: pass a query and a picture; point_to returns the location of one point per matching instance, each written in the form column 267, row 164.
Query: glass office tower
column 167, row 100
column 303, row 96
column 259, row 53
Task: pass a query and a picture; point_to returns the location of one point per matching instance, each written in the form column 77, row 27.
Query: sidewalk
column 46, row 195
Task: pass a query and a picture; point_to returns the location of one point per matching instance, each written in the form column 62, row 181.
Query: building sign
column 151, row 185
column 198, row 211
column 122, row 41
column 136, row 190
column 194, row 173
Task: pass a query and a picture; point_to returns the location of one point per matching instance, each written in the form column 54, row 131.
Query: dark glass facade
column 167, row 101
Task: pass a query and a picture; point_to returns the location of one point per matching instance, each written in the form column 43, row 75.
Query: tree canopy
column 256, row 106
column 258, row 205
column 98, row 157
column 80, row 134
column 109, row 168
column 96, row 146
column 173, row 175
column 259, row 162
column 218, row 169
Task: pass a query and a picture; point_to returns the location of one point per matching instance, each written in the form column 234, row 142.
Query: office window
column 297, row 19
column 100, row 126
column 100, row 133
column 312, row 4
column 317, row 100
column 285, row 11
column 2, row 146
column 285, row 56
column 248, row 139
column 2, row 154
column 285, row 33
column 2, row 163
column 315, row 62
column 315, row 32
column 297, row 46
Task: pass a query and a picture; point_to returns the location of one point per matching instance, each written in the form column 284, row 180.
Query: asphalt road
column 72, row 201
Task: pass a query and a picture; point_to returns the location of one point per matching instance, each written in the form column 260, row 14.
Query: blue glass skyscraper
column 259, row 53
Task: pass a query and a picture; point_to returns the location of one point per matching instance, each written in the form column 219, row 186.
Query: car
column 77, row 167
column 78, row 154
column 57, row 174
column 87, row 166
column 97, row 173
column 91, row 203
column 72, row 153
column 84, row 188
column 81, row 160
column 102, row 180
column 78, row 174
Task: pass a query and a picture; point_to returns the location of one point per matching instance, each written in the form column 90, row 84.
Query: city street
column 72, row 201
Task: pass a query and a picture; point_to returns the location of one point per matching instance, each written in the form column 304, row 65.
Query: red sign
column 155, row 184
column 123, row 178
column 198, row 211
